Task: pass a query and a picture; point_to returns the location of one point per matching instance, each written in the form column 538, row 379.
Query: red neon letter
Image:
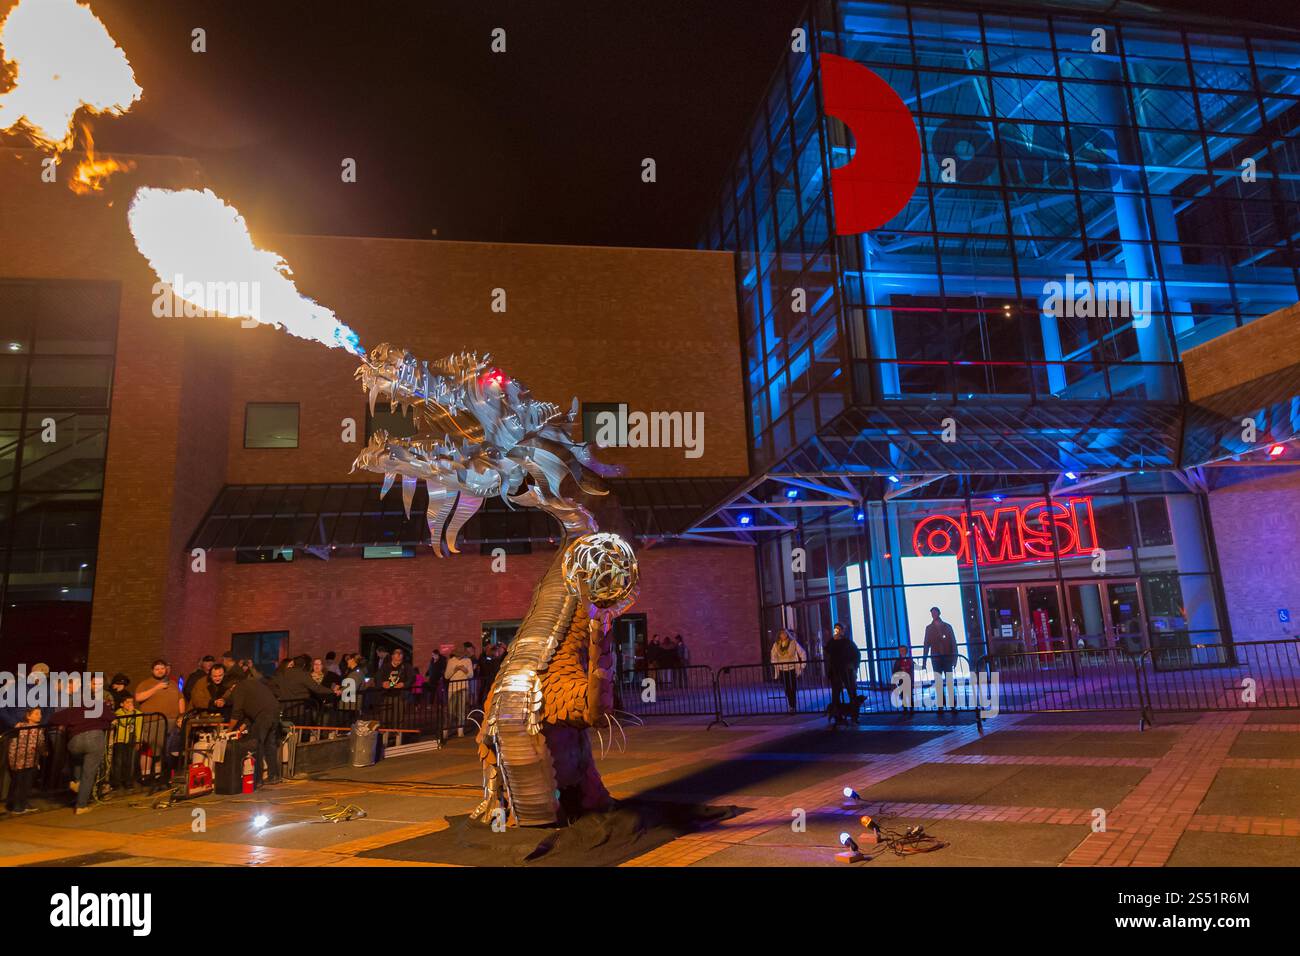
column 874, row 186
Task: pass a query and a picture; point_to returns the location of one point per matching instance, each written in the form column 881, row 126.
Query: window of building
column 264, row 648
column 271, row 425
column 387, row 638
column 263, row 555
column 388, row 551
column 56, row 347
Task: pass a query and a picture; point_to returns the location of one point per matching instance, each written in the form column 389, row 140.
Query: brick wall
column 1268, row 344
column 654, row 328
column 1256, row 527
column 705, row 593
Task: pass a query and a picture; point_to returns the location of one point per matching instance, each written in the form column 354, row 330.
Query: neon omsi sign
column 1011, row 533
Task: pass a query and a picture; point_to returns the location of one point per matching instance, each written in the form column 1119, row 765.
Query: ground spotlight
column 260, row 821
column 852, row 853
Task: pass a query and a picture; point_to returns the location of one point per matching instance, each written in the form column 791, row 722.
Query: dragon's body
column 480, row 434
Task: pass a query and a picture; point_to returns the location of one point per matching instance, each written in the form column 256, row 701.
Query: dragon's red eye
column 494, row 377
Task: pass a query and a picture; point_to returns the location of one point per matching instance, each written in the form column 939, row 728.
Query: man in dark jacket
column 252, row 705
column 842, row 660
column 488, row 665
column 941, row 646
column 200, row 673
column 395, row 679
column 86, row 739
column 294, row 688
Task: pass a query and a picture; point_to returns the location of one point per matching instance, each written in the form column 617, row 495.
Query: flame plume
column 200, row 246
column 63, row 60
column 92, row 172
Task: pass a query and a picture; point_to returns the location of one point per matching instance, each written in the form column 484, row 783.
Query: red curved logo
column 874, row 186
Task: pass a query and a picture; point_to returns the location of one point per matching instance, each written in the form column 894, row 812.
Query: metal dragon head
column 478, row 433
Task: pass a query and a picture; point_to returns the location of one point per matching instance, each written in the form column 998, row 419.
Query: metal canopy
column 1215, row 431
column 993, row 439
column 321, row 518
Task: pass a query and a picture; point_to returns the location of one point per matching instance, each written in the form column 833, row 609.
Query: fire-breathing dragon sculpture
column 480, row 433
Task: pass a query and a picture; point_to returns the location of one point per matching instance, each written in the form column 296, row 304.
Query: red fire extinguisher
column 248, row 773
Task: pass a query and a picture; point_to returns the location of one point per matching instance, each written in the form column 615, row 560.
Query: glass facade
column 57, row 342
column 1123, row 563
column 1153, row 167
column 1096, row 196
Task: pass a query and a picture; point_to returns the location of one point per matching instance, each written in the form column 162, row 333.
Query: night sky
column 540, row 144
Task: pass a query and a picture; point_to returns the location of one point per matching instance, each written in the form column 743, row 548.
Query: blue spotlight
column 746, row 518
column 895, row 479
column 792, row 492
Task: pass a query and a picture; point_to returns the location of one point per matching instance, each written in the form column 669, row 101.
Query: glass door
column 1127, row 621
column 1005, row 632
column 1046, row 623
column 1088, row 628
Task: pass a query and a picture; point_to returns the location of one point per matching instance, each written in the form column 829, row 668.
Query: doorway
column 499, row 632
column 1107, row 615
column 1024, row 618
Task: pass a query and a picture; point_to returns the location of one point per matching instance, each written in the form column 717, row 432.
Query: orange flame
column 91, row 173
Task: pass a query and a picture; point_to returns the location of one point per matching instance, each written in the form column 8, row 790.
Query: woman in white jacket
column 788, row 660
column 460, row 670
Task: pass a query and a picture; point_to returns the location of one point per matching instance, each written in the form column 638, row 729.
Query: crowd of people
column 137, row 734
column 665, row 657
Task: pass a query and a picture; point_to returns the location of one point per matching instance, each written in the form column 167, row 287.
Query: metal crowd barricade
column 683, row 691
column 1256, row 675
column 1065, row 681
column 748, row 690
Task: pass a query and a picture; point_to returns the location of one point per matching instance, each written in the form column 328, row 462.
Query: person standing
column 459, row 673
column 159, row 695
column 200, row 673
column 941, row 647
column 23, row 755
column 395, row 680
column 488, row 664
column 86, row 736
column 842, row 660
column 788, row 660
column 904, row 665
column 126, row 741
column 252, row 705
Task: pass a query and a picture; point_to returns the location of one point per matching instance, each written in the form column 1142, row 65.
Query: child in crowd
column 24, row 755
column 125, row 737
column 905, row 665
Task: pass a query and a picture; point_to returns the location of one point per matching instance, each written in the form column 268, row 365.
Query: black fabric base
column 608, row 838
